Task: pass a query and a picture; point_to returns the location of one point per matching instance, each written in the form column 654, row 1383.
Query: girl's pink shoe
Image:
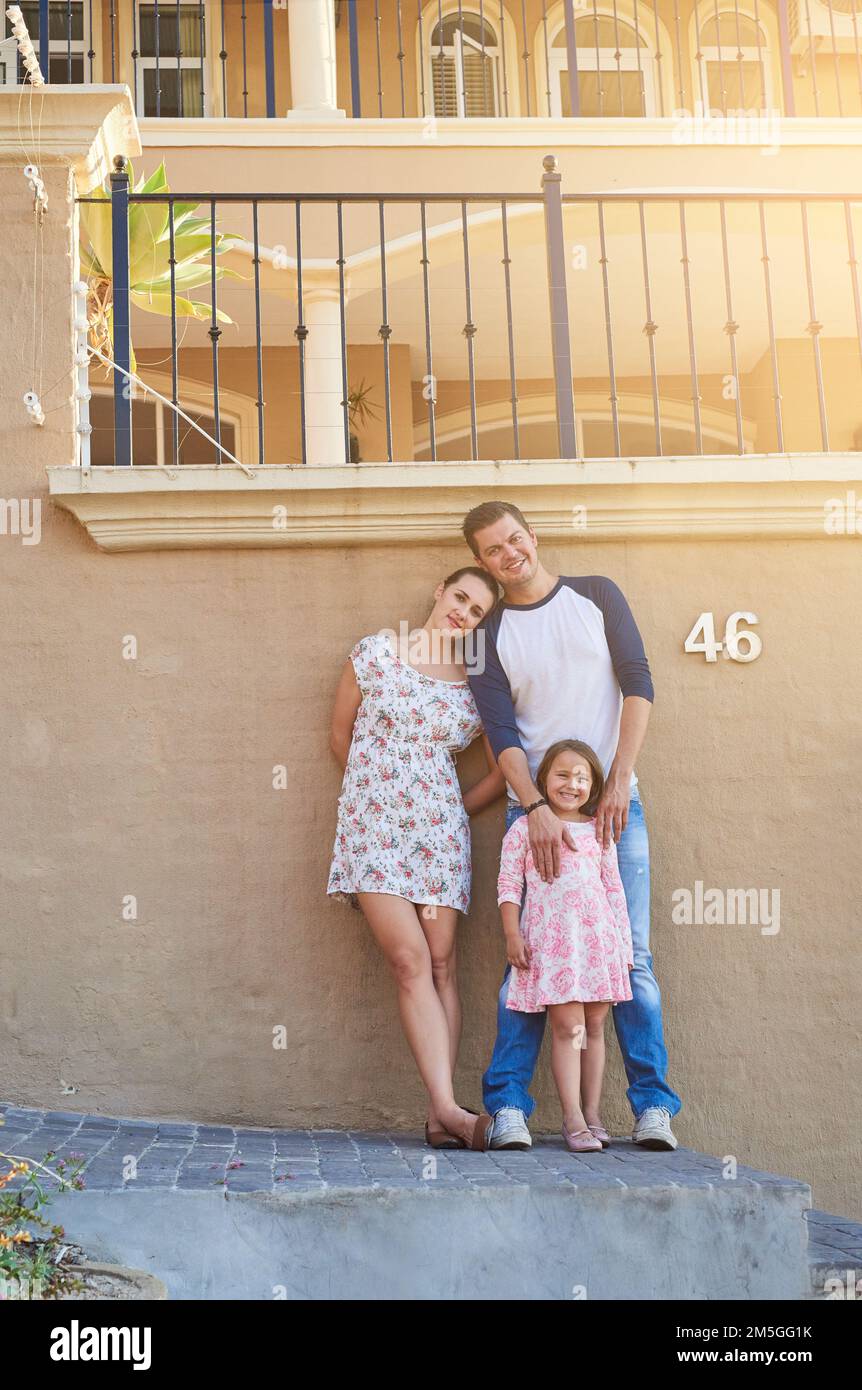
column 581, row 1142
column 599, row 1132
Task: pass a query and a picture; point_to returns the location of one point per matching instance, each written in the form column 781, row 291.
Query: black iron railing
column 666, row 324
column 481, row 58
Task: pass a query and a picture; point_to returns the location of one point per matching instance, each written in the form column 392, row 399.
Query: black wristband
column 540, row 802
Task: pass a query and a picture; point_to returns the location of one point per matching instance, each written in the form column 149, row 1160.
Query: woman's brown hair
column 574, row 745
column 487, row 579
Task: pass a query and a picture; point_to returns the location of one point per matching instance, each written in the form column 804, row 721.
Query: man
column 563, row 658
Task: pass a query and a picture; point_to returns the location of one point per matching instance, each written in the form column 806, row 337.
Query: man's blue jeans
column 637, row 1020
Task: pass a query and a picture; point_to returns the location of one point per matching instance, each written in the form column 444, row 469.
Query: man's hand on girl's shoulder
column 547, row 832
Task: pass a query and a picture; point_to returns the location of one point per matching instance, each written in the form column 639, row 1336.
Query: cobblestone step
column 534, row 1224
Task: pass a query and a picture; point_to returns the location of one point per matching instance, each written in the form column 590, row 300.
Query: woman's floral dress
column 402, row 827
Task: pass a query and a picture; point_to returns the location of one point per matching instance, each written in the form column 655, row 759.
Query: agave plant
column 149, row 253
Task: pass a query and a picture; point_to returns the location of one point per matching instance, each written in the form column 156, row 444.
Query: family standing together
column 550, row 672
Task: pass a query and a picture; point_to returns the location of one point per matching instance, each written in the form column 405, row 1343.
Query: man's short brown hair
column 485, row 515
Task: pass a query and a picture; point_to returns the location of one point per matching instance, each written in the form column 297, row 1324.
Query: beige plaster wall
column 153, row 778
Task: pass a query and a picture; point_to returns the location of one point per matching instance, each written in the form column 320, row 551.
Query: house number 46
column 705, row 628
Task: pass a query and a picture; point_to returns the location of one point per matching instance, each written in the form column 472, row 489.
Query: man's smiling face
column 508, row 551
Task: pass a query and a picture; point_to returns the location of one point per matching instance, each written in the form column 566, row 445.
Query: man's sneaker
column 510, row 1130
column 652, row 1129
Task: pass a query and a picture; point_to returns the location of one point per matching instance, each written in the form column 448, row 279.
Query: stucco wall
column 153, row 777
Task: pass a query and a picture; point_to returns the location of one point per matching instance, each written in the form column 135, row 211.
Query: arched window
column 734, row 64
column 465, row 58
column 615, row 69
column 152, row 427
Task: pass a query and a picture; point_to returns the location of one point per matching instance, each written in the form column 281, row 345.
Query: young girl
column 573, row 947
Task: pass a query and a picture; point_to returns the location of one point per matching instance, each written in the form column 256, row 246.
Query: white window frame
column 558, row 60
column 148, row 64
column 709, row 57
column 454, row 50
column 60, row 47
column 634, row 408
column 191, row 401
column 9, row 62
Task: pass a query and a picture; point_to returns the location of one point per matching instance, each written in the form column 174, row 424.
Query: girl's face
column 462, row 606
column 569, row 781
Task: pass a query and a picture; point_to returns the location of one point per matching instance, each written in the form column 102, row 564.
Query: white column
column 313, row 88
column 324, row 414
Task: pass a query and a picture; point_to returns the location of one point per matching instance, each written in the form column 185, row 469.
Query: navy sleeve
column 492, row 692
column 624, row 640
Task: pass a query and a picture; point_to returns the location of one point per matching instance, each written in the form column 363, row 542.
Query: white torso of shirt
column 562, row 679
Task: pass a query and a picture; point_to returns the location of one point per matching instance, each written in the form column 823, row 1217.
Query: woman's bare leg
column 396, row 929
column 593, row 1061
column 567, row 1037
column 439, row 927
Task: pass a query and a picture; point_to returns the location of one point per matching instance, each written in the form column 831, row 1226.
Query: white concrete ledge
column 85, row 126
column 148, row 508
column 497, row 132
column 722, row 1240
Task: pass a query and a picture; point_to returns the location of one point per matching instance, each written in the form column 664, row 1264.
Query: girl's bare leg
column 593, row 1061
column 439, row 926
column 396, row 929
column 567, row 1038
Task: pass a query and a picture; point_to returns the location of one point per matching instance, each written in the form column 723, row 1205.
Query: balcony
column 337, row 329
column 448, row 61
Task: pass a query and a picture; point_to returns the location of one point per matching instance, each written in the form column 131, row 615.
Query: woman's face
column 462, row 606
column 569, row 781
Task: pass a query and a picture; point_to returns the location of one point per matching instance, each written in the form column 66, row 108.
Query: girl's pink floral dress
column 402, row 827
column 577, row 925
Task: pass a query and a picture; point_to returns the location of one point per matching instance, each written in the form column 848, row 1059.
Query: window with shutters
column 464, row 67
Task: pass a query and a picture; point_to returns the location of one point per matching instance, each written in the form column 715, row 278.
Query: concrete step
column 219, row 1212
column 834, row 1256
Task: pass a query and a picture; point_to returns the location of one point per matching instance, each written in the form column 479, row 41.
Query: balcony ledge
column 150, row 508
column 768, row 133
column 83, row 126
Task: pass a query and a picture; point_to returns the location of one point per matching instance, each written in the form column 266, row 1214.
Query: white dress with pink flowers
column 577, row 926
column 402, row 827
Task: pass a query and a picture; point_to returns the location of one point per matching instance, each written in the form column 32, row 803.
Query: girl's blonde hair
column 574, row 745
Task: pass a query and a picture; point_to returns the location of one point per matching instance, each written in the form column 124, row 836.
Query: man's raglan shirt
column 559, row 668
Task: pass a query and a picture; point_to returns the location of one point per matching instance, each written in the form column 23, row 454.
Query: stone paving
column 185, row 1156
column 834, row 1243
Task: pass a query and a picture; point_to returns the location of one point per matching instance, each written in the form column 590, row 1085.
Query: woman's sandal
column 482, row 1132
column 477, row 1132
column 442, row 1139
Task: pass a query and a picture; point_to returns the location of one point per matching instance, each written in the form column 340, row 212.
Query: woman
column 402, row 845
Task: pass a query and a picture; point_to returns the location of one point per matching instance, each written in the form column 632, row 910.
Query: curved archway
column 617, row 56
